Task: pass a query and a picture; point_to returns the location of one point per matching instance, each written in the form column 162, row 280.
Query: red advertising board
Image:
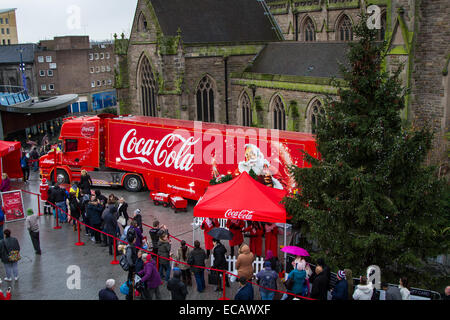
column 186, row 154
column 13, row 204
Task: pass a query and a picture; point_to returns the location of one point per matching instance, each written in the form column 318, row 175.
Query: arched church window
column 205, row 100
column 148, row 89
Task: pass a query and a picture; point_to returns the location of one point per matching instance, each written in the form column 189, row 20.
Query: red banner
column 13, row 204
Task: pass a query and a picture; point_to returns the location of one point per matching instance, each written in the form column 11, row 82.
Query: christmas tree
column 370, row 200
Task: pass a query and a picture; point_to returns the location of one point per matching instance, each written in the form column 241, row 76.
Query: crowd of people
column 147, row 272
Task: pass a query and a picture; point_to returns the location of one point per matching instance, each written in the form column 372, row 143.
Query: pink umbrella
column 296, row 251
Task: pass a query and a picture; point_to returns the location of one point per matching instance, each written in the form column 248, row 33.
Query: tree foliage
column 370, row 199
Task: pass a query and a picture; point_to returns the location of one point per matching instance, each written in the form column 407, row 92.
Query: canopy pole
column 285, row 254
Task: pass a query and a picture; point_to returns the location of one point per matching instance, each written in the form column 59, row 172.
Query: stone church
column 270, row 63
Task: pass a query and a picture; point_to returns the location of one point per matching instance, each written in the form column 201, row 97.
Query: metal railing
column 11, row 95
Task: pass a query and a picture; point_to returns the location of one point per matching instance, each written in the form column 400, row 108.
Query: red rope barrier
column 170, row 259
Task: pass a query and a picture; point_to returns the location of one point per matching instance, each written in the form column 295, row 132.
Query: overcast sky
column 45, row 19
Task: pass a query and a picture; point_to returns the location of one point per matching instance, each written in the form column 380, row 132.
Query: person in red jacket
column 235, row 226
column 206, row 226
column 43, row 190
column 256, row 232
column 271, row 242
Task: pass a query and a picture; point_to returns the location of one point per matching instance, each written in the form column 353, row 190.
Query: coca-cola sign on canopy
column 239, row 214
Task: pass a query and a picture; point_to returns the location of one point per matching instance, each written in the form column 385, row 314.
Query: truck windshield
column 71, row 145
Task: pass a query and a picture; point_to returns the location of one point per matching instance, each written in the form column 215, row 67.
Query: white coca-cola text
column 241, row 215
column 162, row 152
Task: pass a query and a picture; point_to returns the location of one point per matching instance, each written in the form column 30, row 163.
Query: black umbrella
column 221, row 234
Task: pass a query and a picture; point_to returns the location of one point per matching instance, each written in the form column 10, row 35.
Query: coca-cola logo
column 88, row 129
column 161, row 152
column 240, row 215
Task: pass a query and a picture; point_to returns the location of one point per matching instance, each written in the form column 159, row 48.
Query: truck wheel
column 61, row 177
column 132, row 183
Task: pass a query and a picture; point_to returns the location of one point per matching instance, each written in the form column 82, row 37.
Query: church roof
column 310, row 59
column 203, row 21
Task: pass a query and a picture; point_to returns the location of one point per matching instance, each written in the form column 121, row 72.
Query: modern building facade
column 8, row 27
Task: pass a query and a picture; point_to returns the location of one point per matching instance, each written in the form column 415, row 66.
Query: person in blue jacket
column 299, row 277
column 340, row 291
column 245, row 291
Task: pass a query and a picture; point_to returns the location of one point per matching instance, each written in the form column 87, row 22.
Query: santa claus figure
column 254, row 160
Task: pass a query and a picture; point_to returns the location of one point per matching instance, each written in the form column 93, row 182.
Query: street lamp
column 22, row 70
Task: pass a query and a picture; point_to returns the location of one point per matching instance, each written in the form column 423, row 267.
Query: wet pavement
column 51, row 275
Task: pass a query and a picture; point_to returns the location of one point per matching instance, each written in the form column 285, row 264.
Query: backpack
column 23, row 162
column 266, row 281
column 124, row 261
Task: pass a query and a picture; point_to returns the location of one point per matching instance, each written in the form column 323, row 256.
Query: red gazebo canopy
column 242, row 198
column 10, row 159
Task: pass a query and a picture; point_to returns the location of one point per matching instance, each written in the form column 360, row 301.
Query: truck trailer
column 178, row 157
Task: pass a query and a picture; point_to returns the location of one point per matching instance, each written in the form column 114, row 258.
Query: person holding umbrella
column 207, row 225
column 220, row 262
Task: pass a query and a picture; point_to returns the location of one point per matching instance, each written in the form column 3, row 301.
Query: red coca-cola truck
column 172, row 156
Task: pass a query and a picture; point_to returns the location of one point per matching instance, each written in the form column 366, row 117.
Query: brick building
column 269, row 65
column 72, row 64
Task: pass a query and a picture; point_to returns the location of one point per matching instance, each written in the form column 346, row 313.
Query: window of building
column 142, row 23
column 42, row 73
column 148, row 89
column 1, row 20
column 91, row 56
column 104, row 82
column 3, row 30
column 309, row 30
column 97, row 69
column 9, row 41
column 3, row 41
column 103, row 68
column 99, row 83
column 43, row 87
column 51, row 87
column 52, row 65
column 7, row 30
column 102, row 56
column 93, row 84
column 279, row 113
column 6, row 20
column 107, row 55
column 109, row 82
column 50, row 73
column 48, row 59
column 345, row 29
column 108, row 68
column 91, row 70
column 246, row 107
column 40, row 59
column 205, row 100
column 316, row 112
column 96, row 56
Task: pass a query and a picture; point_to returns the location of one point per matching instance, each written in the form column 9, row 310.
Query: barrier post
column 79, row 243
column 39, row 205
column 224, row 297
column 57, row 218
column 115, row 261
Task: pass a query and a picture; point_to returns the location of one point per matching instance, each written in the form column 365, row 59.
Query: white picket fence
column 258, row 264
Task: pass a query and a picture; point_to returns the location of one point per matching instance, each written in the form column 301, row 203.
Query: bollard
column 115, row 261
column 57, row 220
column 224, row 297
column 79, row 243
